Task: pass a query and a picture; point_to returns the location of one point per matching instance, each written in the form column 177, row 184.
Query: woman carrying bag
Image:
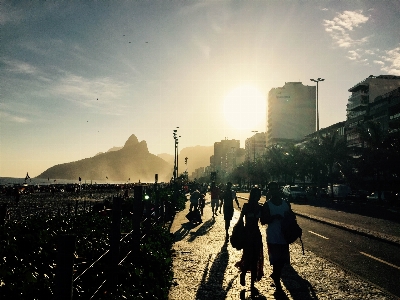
column 252, row 258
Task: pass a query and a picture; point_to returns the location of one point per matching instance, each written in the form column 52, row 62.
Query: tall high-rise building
column 363, row 94
column 291, row 112
column 225, row 153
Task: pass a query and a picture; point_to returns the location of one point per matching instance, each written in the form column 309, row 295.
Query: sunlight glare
column 245, row 108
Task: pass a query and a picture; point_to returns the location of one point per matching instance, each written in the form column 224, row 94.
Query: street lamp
column 317, row 80
column 175, row 134
column 254, row 144
column 176, row 157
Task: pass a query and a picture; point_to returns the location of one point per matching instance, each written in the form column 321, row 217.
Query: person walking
column 215, row 194
column 228, row 207
column 253, row 257
column 221, row 200
column 202, row 203
column 273, row 212
column 194, row 200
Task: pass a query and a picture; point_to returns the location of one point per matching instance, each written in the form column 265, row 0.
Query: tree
column 375, row 150
column 330, row 154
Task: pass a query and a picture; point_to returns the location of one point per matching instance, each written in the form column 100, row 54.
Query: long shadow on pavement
column 298, row 287
column 211, row 286
column 182, row 232
column 203, row 229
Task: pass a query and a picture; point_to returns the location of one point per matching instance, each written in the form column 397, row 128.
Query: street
column 371, row 259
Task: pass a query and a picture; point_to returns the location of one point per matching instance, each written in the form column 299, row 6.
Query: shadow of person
column 256, row 295
column 183, row 231
column 298, row 287
column 211, row 285
column 203, row 229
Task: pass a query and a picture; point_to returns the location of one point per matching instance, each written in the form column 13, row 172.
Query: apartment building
column 291, row 112
column 369, row 100
column 225, row 153
column 255, row 145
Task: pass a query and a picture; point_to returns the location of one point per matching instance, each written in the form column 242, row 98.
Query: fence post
column 64, row 269
column 115, row 236
column 76, row 208
column 136, row 218
column 3, row 213
column 157, row 202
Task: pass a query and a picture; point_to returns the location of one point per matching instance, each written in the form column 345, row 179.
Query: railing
column 65, row 284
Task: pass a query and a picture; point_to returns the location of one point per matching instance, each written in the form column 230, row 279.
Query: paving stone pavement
column 203, row 266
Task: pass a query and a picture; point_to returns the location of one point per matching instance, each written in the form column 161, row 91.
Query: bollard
column 115, row 236
column 64, row 269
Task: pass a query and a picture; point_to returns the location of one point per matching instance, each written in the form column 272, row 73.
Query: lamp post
column 317, row 80
column 175, row 134
column 254, row 144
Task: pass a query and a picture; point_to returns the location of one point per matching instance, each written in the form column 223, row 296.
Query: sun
column 245, row 108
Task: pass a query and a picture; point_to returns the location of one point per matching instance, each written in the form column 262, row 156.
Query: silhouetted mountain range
column 132, row 162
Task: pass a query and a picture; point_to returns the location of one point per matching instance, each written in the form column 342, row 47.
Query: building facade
column 366, row 102
column 255, row 146
column 225, row 154
column 291, row 112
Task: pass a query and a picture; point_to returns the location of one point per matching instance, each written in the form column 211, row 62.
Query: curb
column 393, row 240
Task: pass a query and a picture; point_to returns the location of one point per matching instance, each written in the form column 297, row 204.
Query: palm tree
column 330, row 154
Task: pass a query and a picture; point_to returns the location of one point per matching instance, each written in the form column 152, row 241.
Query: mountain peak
column 132, row 141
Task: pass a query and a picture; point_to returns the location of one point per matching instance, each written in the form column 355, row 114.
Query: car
column 385, row 196
column 357, row 195
column 294, row 193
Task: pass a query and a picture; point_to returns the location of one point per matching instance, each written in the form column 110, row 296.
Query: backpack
column 290, row 229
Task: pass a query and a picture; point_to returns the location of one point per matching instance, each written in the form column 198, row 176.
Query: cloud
column 85, row 92
column 353, row 55
column 5, row 116
column 340, row 27
column 204, row 48
column 392, row 57
column 20, row 67
column 379, row 62
column 10, row 14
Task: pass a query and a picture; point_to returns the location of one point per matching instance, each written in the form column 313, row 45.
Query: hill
column 198, row 156
column 133, row 162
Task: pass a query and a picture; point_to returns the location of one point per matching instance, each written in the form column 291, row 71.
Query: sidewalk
column 204, row 268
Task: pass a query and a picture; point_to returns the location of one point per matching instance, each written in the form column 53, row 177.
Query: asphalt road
column 375, row 261
column 372, row 260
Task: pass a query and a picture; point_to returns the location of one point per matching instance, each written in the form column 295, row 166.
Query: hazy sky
column 79, row 77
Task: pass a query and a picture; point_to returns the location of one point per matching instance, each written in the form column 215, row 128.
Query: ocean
column 43, row 181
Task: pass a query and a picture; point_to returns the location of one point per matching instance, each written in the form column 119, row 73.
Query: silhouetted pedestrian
column 228, row 207
column 253, row 257
column 215, row 194
column 194, row 200
column 274, row 210
column 202, row 203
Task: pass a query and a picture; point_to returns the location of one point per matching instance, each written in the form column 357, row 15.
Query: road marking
column 324, row 237
column 380, row 260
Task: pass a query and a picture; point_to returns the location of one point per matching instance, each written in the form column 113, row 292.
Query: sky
column 79, row 77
